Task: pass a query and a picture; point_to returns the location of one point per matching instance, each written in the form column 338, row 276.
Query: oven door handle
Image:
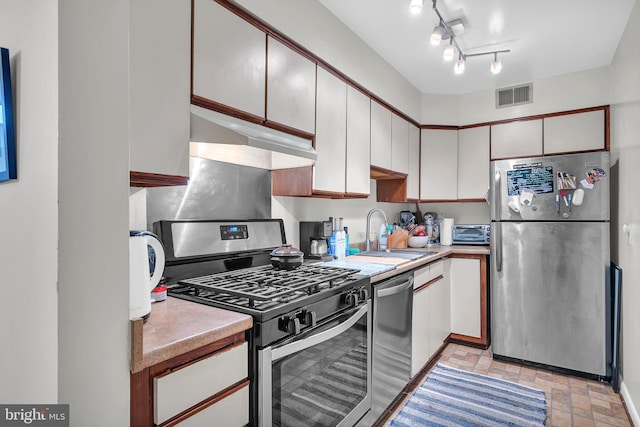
column 296, row 346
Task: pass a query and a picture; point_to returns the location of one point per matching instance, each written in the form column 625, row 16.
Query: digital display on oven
column 234, row 232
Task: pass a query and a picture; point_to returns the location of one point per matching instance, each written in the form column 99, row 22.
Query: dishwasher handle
column 393, row 290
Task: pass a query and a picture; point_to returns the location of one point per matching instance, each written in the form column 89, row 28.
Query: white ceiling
column 546, row 38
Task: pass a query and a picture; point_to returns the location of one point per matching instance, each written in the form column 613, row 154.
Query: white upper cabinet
column 331, row 133
column 439, row 164
column 159, row 90
column 291, row 87
column 358, row 141
column 380, row 136
column 473, row 162
column 229, row 59
column 574, row 132
column 413, row 180
column 516, row 139
column 399, row 144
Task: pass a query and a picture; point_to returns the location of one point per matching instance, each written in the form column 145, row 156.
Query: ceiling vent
column 514, row 95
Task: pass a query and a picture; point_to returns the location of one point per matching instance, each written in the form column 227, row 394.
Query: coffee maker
column 313, row 239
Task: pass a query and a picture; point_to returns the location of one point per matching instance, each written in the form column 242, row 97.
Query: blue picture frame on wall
column 7, row 130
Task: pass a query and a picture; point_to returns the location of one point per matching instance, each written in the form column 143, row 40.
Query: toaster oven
column 470, row 234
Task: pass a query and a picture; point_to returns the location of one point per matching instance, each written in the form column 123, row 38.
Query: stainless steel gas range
column 310, row 347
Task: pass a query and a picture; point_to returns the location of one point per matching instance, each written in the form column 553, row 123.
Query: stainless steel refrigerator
column 550, row 261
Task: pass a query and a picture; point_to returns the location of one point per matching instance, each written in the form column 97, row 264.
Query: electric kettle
column 146, row 265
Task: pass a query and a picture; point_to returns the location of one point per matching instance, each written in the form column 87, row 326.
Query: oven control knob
column 351, row 299
column 364, row 294
column 290, row 325
column 307, row 317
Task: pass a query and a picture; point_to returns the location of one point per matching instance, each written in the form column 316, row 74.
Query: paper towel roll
column 445, row 232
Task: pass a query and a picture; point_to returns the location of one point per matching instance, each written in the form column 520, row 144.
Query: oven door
column 320, row 378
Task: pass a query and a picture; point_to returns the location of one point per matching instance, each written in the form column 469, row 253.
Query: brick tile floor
column 571, row 401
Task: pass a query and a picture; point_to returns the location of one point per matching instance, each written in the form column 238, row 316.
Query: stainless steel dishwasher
column 391, row 364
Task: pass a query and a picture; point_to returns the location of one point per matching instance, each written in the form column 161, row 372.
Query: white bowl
column 418, row 241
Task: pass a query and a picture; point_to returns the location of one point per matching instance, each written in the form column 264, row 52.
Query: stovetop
column 226, row 264
column 265, row 291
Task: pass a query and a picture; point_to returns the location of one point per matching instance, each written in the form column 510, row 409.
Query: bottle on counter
column 382, row 238
column 331, row 241
column 340, row 240
column 346, row 241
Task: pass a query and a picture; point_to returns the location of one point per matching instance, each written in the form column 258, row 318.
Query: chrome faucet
column 368, row 240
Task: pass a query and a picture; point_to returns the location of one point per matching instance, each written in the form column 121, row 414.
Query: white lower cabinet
column 438, row 310
column 183, row 388
column 420, row 331
column 430, row 322
column 466, row 297
column 233, row 410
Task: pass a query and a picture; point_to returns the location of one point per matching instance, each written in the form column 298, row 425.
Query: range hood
column 213, row 127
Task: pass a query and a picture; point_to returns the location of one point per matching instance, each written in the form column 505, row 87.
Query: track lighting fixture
column 458, row 67
column 496, row 64
column 449, row 51
column 445, row 31
column 437, row 35
column 416, row 6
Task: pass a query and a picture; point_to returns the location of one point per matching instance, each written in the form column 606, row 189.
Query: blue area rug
column 452, row 397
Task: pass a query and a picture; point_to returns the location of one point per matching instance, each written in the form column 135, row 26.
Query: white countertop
column 402, row 265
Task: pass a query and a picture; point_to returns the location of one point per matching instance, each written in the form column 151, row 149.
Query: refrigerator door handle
column 496, row 236
column 497, row 188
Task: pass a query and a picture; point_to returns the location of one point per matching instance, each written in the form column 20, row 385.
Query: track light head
column 449, row 51
column 437, row 35
column 458, row 67
column 415, row 6
column 496, row 66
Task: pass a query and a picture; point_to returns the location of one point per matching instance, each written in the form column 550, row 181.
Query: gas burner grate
column 265, row 283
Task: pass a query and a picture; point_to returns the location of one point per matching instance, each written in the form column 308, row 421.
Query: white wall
column 560, row 93
column 28, row 208
column 625, row 152
column 314, row 27
column 354, row 212
column 93, row 211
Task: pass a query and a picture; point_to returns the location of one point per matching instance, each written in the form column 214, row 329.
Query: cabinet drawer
column 183, row 388
column 427, row 273
column 232, row 411
column 436, row 269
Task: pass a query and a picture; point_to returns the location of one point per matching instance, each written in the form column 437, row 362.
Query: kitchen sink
column 398, row 253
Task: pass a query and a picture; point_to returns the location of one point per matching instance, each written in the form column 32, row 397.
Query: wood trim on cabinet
column 147, row 179
column 292, row 181
column 474, row 200
column 355, row 195
column 290, row 130
column 225, row 109
column 439, row 127
column 452, row 200
column 201, row 406
column 429, row 283
column 484, row 340
column 379, row 173
column 141, row 398
column 391, row 190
